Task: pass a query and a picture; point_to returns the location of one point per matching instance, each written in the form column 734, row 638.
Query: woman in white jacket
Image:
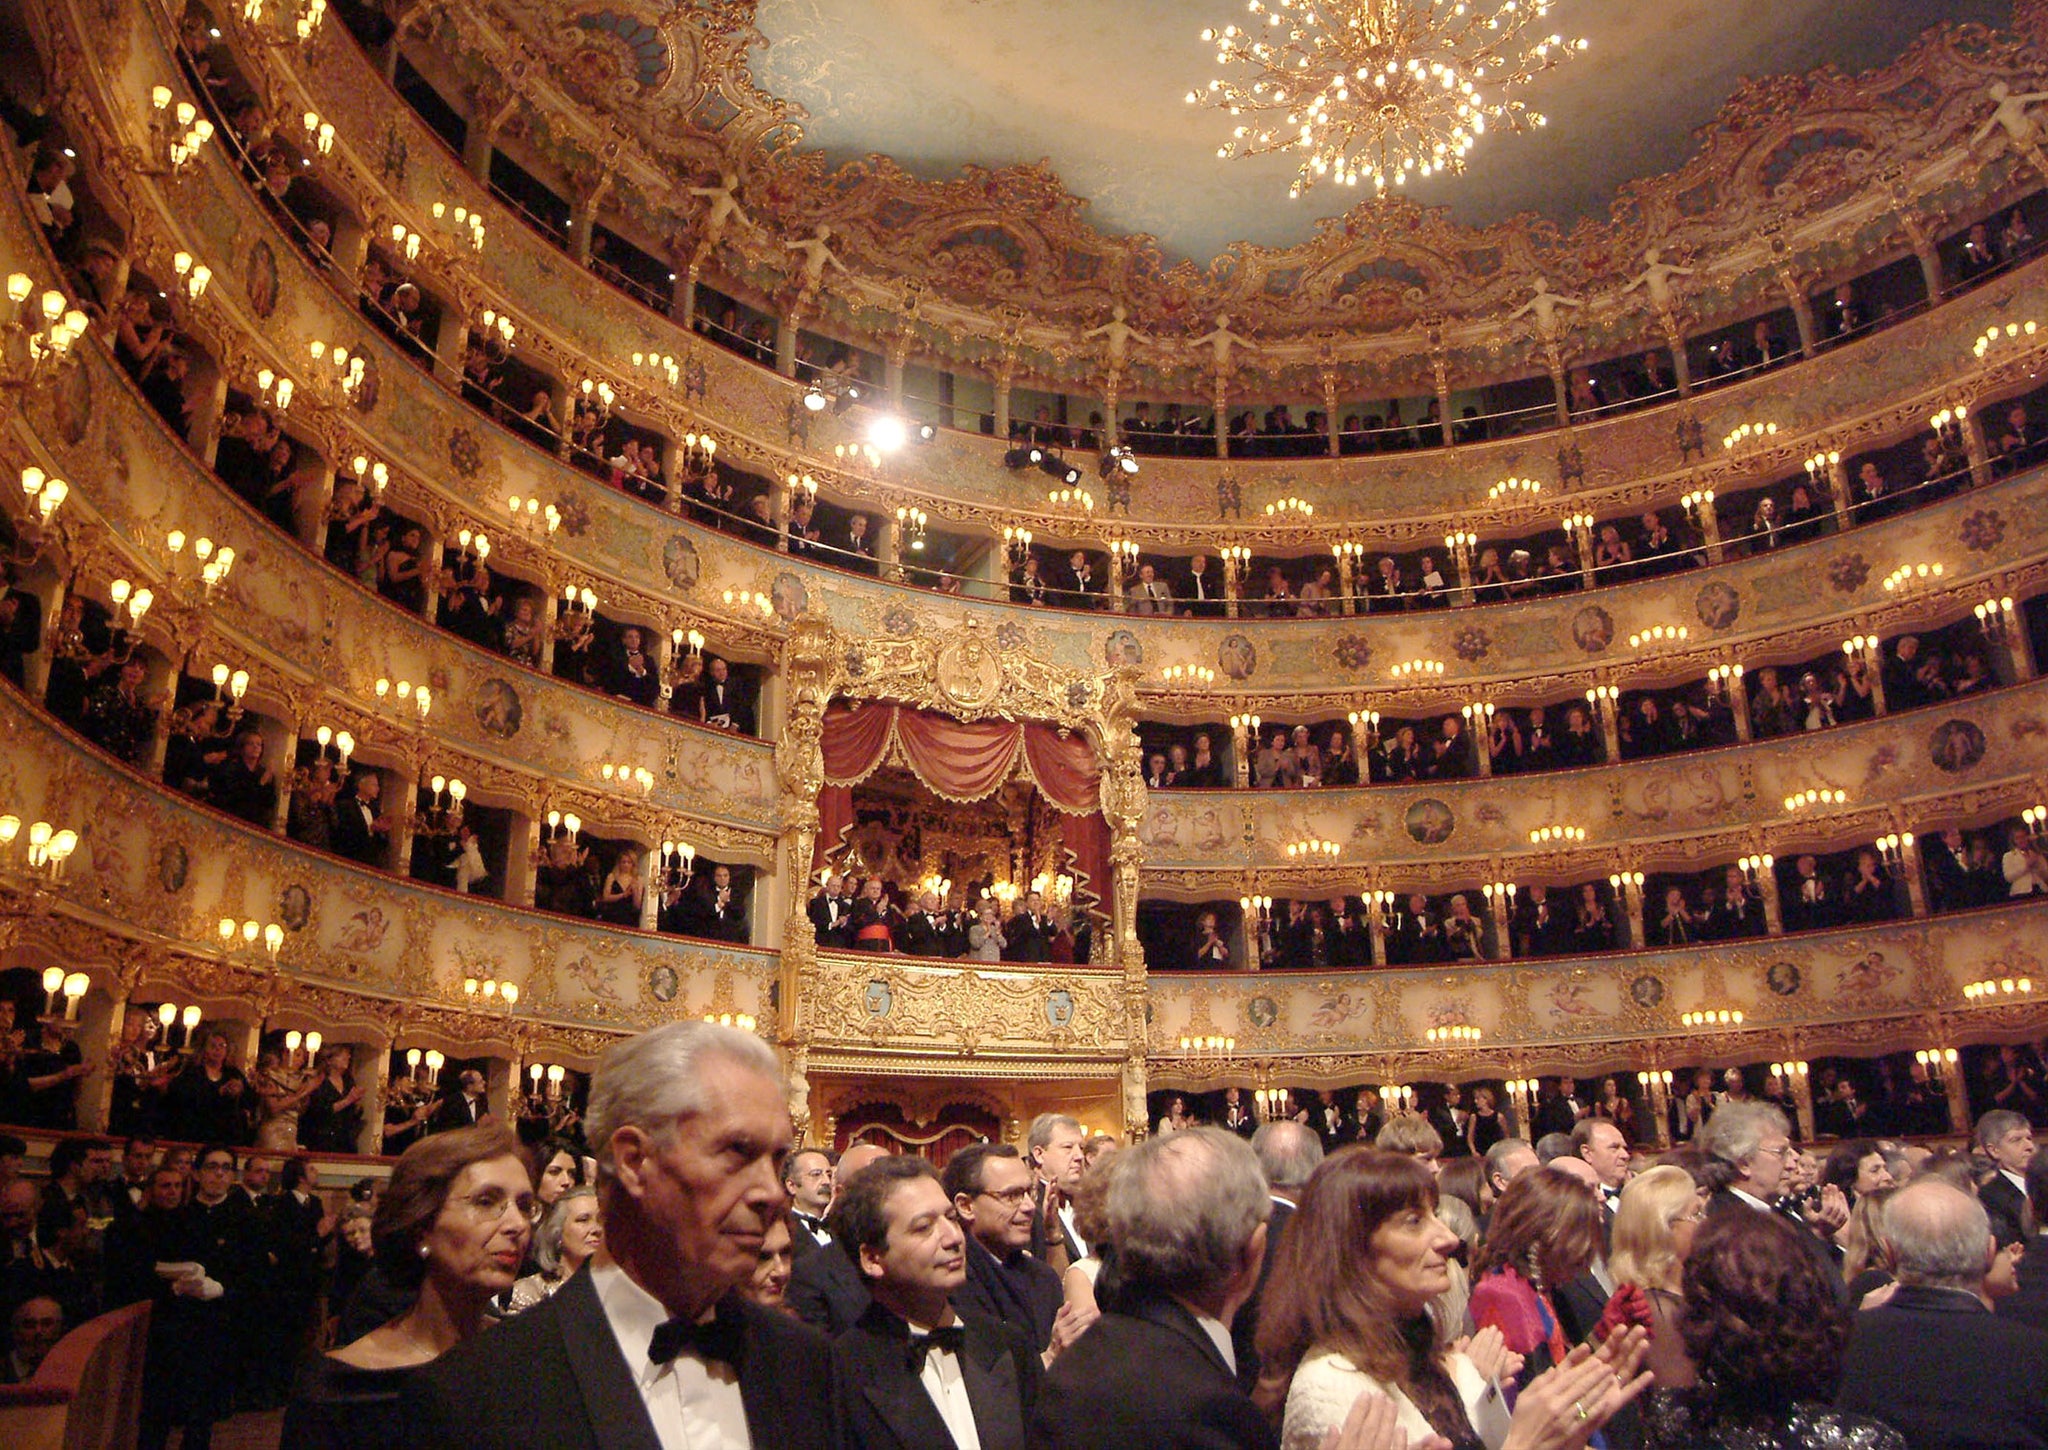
column 1347, row 1313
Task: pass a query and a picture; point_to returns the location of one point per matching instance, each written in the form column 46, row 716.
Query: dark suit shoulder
column 1142, row 1380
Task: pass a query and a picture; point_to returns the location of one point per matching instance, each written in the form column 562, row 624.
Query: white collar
column 1751, row 1199
column 633, row 1313
column 1219, row 1335
column 2015, row 1179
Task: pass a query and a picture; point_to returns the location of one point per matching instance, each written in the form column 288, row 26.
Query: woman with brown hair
column 453, row 1224
column 1767, row 1332
column 1544, row 1233
column 1347, row 1314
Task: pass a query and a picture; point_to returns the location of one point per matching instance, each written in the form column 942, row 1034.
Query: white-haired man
column 1934, row 1362
column 1748, row 1145
column 649, row 1345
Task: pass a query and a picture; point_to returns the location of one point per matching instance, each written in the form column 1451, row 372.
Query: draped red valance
column 963, row 760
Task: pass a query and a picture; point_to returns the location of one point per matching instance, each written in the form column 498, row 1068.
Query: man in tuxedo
column 1237, row 1116
column 1027, row 936
column 2007, row 1139
column 2028, row 1304
column 1150, row 595
column 1288, row 1152
column 724, row 913
column 463, row 1108
column 1604, row 1148
column 1058, row 1149
column 1561, row 1112
column 807, row 1178
column 1188, row 1216
column 1202, row 592
column 650, row 1344
column 361, row 831
column 1934, row 1362
column 1087, row 588
column 1349, row 942
column 832, row 914
column 924, row 930
column 914, row 1374
column 1752, row 1143
column 992, row 1191
column 722, row 701
column 825, row 1290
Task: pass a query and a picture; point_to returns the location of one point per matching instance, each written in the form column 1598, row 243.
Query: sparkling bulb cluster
column 1379, row 90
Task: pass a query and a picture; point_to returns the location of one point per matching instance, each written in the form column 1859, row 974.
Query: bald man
column 1935, row 1363
column 825, row 1289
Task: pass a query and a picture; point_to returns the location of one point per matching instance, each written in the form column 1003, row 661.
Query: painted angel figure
column 1220, row 339
column 1119, row 334
column 1656, row 278
column 1545, row 304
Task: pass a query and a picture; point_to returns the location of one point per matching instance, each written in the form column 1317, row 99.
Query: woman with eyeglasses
column 1653, row 1230
column 452, row 1225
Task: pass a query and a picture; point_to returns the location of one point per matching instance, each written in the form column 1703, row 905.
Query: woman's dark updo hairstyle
column 1761, row 1322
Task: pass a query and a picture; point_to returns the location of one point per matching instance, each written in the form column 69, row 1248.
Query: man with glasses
column 993, row 1190
column 825, row 1290
column 1749, row 1146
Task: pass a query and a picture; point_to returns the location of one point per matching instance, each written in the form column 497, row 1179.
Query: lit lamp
column 1365, row 726
column 1936, row 1060
column 1418, row 669
column 1721, row 681
column 1723, row 1017
column 1557, row 836
column 1698, row 506
column 1994, row 617
column 1522, row 489
column 45, row 494
column 53, row 983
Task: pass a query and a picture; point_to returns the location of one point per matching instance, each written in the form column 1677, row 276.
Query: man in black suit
column 992, row 1189
column 913, row 1374
column 1188, row 1216
column 1201, row 592
column 1935, row 1363
column 361, row 832
column 1561, row 1112
column 807, row 1178
column 722, row 701
column 2029, row 1304
column 832, row 914
column 1288, row 1152
column 1750, row 1143
column 825, row 1290
column 1027, row 936
column 463, row 1108
column 650, row 1344
column 1087, row 587
column 924, row 930
column 2007, row 1139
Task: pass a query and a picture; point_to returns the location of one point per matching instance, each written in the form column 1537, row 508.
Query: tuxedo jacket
column 1146, row 1376
column 831, row 933
column 554, row 1376
column 802, row 1242
column 1020, row 1290
column 353, row 837
column 825, row 1291
column 1823, row 1252
column 1244, row 1329
column 1947, row 1373
column 886, row 1404
column 2006, row 1205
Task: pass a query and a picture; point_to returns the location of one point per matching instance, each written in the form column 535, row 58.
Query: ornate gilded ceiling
column 997, row 175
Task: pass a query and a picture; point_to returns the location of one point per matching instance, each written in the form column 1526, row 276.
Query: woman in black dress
column 453, row 1225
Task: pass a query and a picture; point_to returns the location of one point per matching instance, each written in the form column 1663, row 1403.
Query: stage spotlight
column 814, row 398
column 888, row 433
column 1059, row 468
column 1020, row 458
column 926, row 432
column 1118, row 460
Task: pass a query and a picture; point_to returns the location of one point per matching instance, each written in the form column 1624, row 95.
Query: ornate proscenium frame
column 1083, row 1022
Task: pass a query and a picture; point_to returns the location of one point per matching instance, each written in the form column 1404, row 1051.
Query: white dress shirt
column 1219, row 1335
column 1067, row 1222
column 694, row 1404
column 947, row 1386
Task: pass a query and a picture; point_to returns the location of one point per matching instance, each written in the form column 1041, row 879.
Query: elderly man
column 33, row 1330
column 807, row 1177
column 1506, row 1161
column 914, row 1373
column 825, row 1291
column 1599, row 1143
column 650, row 1344
column 1288, row 1152
column 2007, row 1139
column 1751, row 1145
column 1058, row 1149
column 1935, row 1363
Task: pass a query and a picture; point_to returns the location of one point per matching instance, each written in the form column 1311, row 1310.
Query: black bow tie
column 953, row 1337
column 718, row 1338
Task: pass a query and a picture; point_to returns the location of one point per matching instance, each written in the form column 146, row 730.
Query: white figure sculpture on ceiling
column 1657, row 279
column 1119, row 334
column 2010, row 112
column 724, row 207
column 1545, row 304
column 817, row 256
column 1220, row 338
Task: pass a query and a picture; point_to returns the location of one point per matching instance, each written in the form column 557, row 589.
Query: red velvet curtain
column 963, row 760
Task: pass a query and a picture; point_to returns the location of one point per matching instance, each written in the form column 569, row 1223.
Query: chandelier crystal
column 1379, row 90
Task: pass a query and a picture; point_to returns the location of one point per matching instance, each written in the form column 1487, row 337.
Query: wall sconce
column 1936, row 1060
column 336, row 375
column 658, row 365
column 320, row 138
column 135, row 602
column 1378, row 906
column 1451, row 1033
column 406, row 240
column 2035, row 819
column 1461, row 544
column 45, row 494
column 747, row 600
column 1523, row 488
column 1349, row 553
column 229, row 686
column 250, row 932
column 1812, row 798
column 1299, row 508
column 273, row 390
column 498, row 324
column 1016, row 546
column 1787, row 1071
column 1244, row 724
column 1313, row 848
column 678, row 862
column 1557, row 836
column 531, row 519
column 1908, row 575
column 1479, row 714
column 1721, row 681
column 1752, row 867
column 1578, row 528
column 1721, row 1018
column 435, row 1060
column 1124, row 552
column 1418, row 669
column 628, row 777
column 1996, row 336
column 1500, row 893
column 1075, row 499
column 1948, row 423
column 51, row 328
column 1208, row 1046
column 1696, row 505
column 1367, row 724
column 913, row 521
column 71, row 986
column 1891, row 849
column 1187, row 676
column 178, row 128
column 1820, row 469
column 1236, row 559
column 604, row 392
column 422, row 698
column 194, row 279
column 343, row 742
column 372, row 475
column 1398, row 1099
column 1998, row 988
column 857, row 456
column 1748, row 433
column 1995, row 617
column 689, row 642
column 455, row 790
column 1258, row 911
column 490, row 991
column 1865, row 645
column 474, row 543
column 460, row 222
column 1271, row 1103
column 1659, row 634
column 558, row 822
column 215, row 564
column 170, row 1016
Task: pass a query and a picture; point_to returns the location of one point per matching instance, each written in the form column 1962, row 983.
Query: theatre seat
column 87, row 1395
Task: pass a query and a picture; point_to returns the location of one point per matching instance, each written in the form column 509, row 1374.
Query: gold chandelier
column 1379, row 90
